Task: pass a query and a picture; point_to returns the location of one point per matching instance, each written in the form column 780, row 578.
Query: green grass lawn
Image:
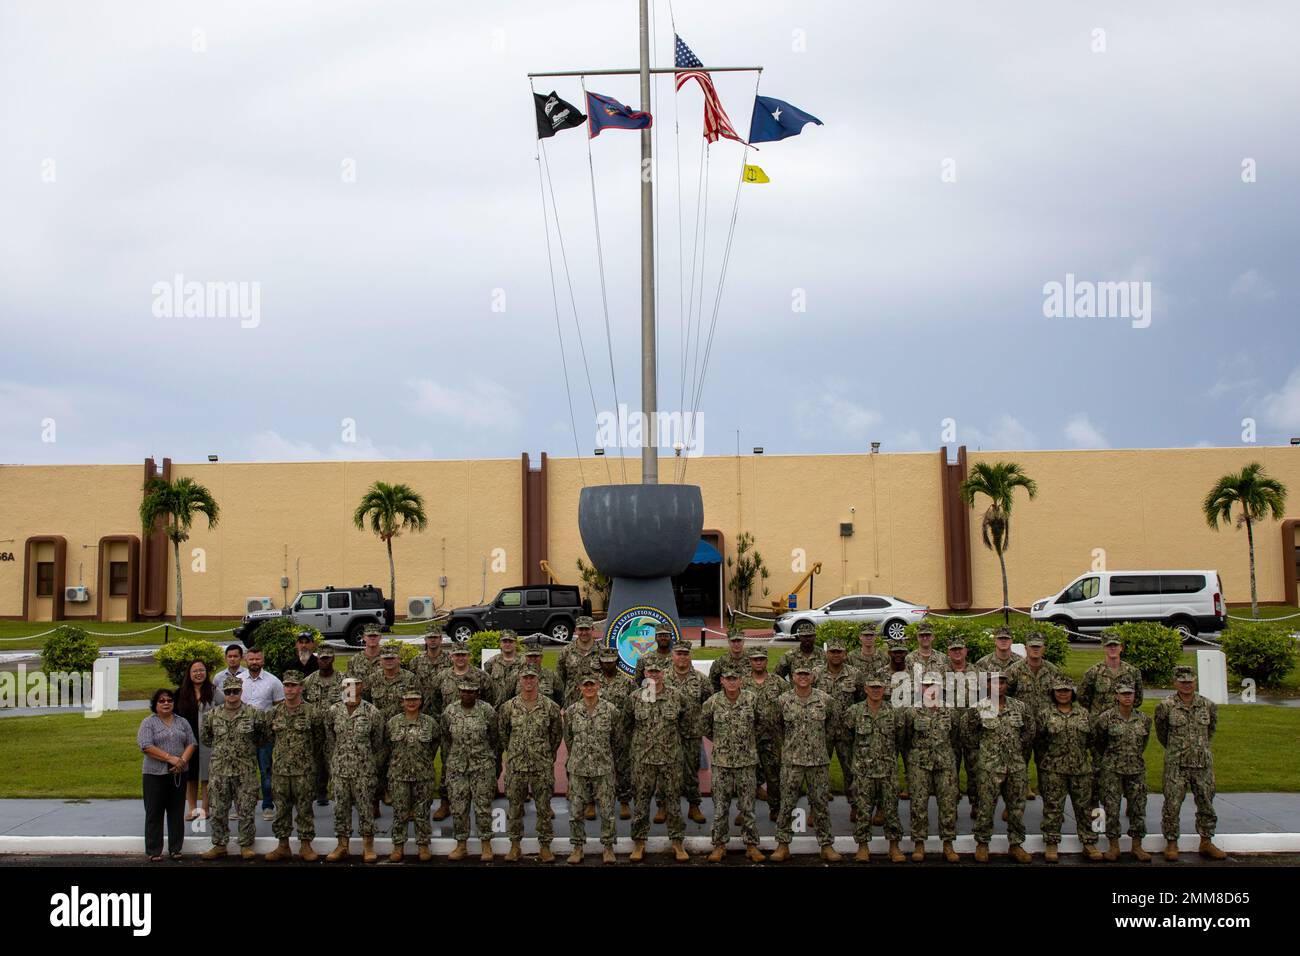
column 16, row 635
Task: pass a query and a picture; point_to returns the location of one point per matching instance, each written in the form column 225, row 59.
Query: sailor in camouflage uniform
column 926, row 659
column 296, row 728
column 531, row 728
column 929, row 733
column 1120, row 735
column 961, row 689
column 728, row 719
column 1097, row 692
column 386, row 689
column 615, row 686
column 767, row 689
column 652, row 721
column 662, row 652
column 1030, row 679
column 735, row 657
column 1003, row 737
column 875, row 735
column 427, row 668
column 547, row 684
column 693, row 688
column 470, row 744
column 1065, row 733
column 355, row 732
column 412, row 739
column 323, row 688
column 504, row 668
column 869, row 658
column 845, row 685
column 1185, row 725
column 578, row 658
column 446, row 686
column 808, row 718
column 1002, row 656
column 366, row 665
column 592, row 734
column 233, row 733
column 807, row 653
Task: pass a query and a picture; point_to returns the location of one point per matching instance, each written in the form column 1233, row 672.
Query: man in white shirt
column 261, row 690
column 234, row 666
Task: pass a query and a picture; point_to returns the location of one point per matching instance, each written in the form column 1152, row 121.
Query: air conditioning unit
column 257, row 604
column 77, row 594
column 846, row 529
column 419, row 608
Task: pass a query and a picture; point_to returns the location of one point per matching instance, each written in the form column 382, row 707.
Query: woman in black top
column 194, row 698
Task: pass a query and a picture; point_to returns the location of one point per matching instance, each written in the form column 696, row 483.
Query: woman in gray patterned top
column 168, row 743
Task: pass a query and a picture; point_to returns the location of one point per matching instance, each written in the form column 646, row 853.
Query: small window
column 1080, row 591
column 873, row 603
column 45, row 579
column 367, row 598
column 337, row 600
column 844, row 604
column 309, row 602
column 1181, row 583
column 536, row 598
column 509, row 599
column 117, row 579
column 565, row 597
column 1131, row 585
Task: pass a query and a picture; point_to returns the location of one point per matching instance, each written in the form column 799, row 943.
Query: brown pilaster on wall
column 153, row 555
column 533, row 485
column 132, row 574
column 956, row 531
column 60, row 572
column 1290, row 594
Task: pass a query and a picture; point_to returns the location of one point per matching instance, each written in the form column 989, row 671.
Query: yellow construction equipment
column 546, row 569
column 782, row 603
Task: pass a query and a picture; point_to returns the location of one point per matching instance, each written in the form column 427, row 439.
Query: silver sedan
column 890, row 614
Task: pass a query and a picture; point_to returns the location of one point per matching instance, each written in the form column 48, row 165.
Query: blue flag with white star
column 776, row 119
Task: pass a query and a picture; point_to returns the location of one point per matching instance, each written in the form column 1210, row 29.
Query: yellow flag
column 755, row 174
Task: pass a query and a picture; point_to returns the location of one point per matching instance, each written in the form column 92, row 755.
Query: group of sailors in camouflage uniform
column 374, row 733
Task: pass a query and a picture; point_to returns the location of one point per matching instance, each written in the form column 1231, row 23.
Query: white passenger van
column 1188, row 601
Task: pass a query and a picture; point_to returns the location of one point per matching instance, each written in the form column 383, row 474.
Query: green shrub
column 277, row 639
column 1152, row 648
column 1056, row 644
column 846, row 631
column 480, row 640
column 69, row 650
column 407, row 652
column 978, row 632
column 175, row 656
column 1266, row 653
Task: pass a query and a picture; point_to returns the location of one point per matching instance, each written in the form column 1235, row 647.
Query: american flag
column 689, row 66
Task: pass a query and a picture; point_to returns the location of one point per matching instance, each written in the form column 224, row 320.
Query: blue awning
column 706, row 553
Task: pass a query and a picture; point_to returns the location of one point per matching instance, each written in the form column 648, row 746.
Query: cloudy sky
column 370, row 170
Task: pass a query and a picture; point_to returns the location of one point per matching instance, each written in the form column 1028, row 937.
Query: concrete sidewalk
column 1248, row 823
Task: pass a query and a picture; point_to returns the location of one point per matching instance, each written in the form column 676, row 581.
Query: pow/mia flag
column 553, row 114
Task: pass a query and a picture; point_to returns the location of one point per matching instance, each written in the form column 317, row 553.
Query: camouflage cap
column 1184, row 672
column 1110, row 637
column 1125, row 686
column 390, row 652
column 232, row 683
column 834, row 644
column 653, row 662
column 291, row 677
column 460, row 648
column 584, row 621
column 369, row 629
column 508, row 635
column 956, row 641
column 758, row 652
column 1035, row 639
column 532, row 649
column 466, row 685
column 530, row 670
column 434, row 629
column 663, row 632
column 607, row 654
column 1002, row 631
column 1062, row 682
column 353, row 680
column 930, row 677
column 801, row 669
column 897, row 644
column 875, row 680
column 731, row 670
column 925, row 627
column 325, row 651
column 868, row 628
column 589, row 679
column 682, row 647
column 413, row 694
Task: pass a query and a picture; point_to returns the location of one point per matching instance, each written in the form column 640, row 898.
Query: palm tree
column 176, row 503
column 997, row 481
column 1257, row 496
column 391, row 509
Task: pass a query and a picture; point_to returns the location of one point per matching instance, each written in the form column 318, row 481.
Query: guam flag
column 605, row 112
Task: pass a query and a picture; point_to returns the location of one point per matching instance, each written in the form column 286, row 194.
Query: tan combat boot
column 399, row 851
column 949, row 853
column 1112, row 850
column 544, row 853
column 443, row 811
column 339, row 852
column 368, row 854
column 608, row 855
column 863, row 855
column 1171, row 851
column 895, row 854
column 460, row 851
column 215, row 853
column 878, row 818
column 425, row 854
column 485, row 855
column 515, row 852
column 281, row 852
column 829, row 854
column 1049, row 853
column 624, row 811
column 638, row 851
column 782, row 853
column 575, row 856
column 918, row 851
column 1139, row 854
column 981, row 852
column 717, row 855
column 754, row 854
column 679, row 852
column 1018, row 854
column 306, row 853
column 246, row 853
column 1091, row 853
column 1208, row 850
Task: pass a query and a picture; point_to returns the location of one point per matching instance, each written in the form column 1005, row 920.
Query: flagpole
column 649, row 383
